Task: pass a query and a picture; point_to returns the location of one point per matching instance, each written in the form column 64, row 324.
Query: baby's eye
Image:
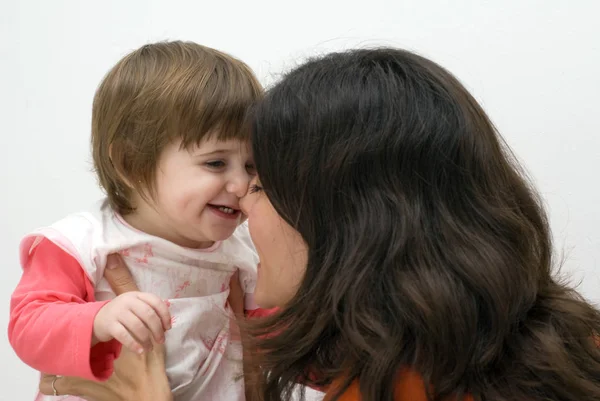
column 216, row 164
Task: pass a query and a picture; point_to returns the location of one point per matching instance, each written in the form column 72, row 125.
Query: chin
column 218, row 238
column 223, row 237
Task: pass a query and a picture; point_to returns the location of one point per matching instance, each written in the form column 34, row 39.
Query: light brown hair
column 159, row 93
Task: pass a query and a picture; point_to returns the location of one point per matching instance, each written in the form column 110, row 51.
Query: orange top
column 410, row 387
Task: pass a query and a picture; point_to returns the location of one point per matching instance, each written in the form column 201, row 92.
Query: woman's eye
column 216, row 164
column 255, row 188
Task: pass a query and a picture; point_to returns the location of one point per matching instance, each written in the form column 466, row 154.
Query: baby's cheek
column 185, row 203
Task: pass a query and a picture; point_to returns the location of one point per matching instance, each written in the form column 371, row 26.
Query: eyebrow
column 214, row 153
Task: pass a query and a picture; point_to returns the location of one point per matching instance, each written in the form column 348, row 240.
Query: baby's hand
column 132, row 319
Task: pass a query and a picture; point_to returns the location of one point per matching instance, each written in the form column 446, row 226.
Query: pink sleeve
column 259, row 312
column 52, row 312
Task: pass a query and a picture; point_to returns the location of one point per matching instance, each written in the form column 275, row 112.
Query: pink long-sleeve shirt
column 52, row 313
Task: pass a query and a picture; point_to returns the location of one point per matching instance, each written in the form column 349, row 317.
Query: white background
column 534, row 65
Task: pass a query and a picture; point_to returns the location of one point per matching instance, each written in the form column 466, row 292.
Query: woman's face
column 282, row 252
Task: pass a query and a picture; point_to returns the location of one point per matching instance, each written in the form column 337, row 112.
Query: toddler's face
column 197, row 193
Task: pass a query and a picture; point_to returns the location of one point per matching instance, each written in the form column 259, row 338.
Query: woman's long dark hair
column 428, row 247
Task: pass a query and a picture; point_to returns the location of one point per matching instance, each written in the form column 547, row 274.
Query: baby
column 170, row 150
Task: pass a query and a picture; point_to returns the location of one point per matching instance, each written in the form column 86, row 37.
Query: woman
column 410, row 256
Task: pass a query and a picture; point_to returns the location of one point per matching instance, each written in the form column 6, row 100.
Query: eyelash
column 217, row 164
column 255, row 188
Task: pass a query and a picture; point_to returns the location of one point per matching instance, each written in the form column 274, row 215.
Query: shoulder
column 77, row 234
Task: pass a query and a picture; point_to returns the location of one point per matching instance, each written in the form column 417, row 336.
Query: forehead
column 215, row 146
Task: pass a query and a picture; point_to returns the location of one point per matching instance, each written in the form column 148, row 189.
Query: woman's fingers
column 118, row 276
column 46, row 385
column 236, row 295
column 136, row 377
column 63, row 385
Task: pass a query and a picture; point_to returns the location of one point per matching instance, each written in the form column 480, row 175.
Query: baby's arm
column 52, row 312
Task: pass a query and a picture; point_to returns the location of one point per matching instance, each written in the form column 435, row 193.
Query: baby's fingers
column 136, row 327
column 160, row 308
column 120, row 333
column 150, row 319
